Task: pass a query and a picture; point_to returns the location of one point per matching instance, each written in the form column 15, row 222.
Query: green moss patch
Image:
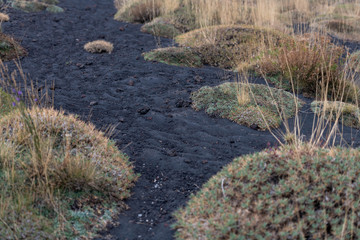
column 349, row 113
column 9, row 48
column 60, row 178
column 37, row 6
column 230, row 47
column 225, row 101
column 177, row 56
column 288, row 193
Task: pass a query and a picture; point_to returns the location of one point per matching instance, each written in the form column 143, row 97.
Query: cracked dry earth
column 174, row 148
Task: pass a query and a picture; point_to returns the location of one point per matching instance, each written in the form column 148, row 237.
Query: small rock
column 149, row 118
column 204, row 161
column 182, row 103
column 131, row 83
column 83, row 96
column 119, row 90
column 52, row 87
column 93, row 103
column 171, row 152
column 121, row 119
column 187, row 161
column 121, row 28
column 254, row 126
column 41, row 88
column 137, row 58
column 80, row 66
column 143, row 110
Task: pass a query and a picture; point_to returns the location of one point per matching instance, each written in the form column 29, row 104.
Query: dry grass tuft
column 4, row 17
column 138, row 10
column 311, row 65
column 99, row 46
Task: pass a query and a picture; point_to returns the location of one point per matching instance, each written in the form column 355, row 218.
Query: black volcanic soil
column 174, row 148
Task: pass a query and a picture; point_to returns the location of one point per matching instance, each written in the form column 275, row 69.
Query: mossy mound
column 286, row 193
column 177, row 56
column 10, row 49
column 230, row 47
column 37, row 6
column 227, row 101
column 349, row 113
column 139, row 11
column 60, row 178
column 161, row 27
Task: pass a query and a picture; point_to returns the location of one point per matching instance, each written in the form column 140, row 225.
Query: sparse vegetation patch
column 37, row 5
column 228, row 101
column 285, row 193
column 230, row 47
column 177, row 56
column 349, row 114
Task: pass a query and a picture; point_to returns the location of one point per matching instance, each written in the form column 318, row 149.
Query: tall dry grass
column 279, row 14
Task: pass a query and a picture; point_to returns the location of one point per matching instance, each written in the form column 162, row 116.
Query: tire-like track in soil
column 174, row 148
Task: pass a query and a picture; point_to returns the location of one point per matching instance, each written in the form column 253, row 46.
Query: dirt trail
column 174, row 148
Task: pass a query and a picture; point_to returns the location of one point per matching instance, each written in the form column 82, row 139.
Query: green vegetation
column 285, row 193
column 59, row 177
column 37, row 6
column 349, row 113
column 235, row 102
column 161, row 27
column 177, row 56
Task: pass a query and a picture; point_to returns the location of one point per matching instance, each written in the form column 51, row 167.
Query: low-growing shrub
column 161, row 27
column 139, row 11
column 37, row 5
column 59, row 176
column 99, row 46
column 177, row 56
column 10, row 49
column 284, row 193
column 349, row 114
column 262, row 108
column 230, row 47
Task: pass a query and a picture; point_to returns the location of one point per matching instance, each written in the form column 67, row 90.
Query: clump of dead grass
column 4, row 17
column 310, row 65
column 177, row 56
column 138, row 10
column 99, row 46
column 264, row 108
